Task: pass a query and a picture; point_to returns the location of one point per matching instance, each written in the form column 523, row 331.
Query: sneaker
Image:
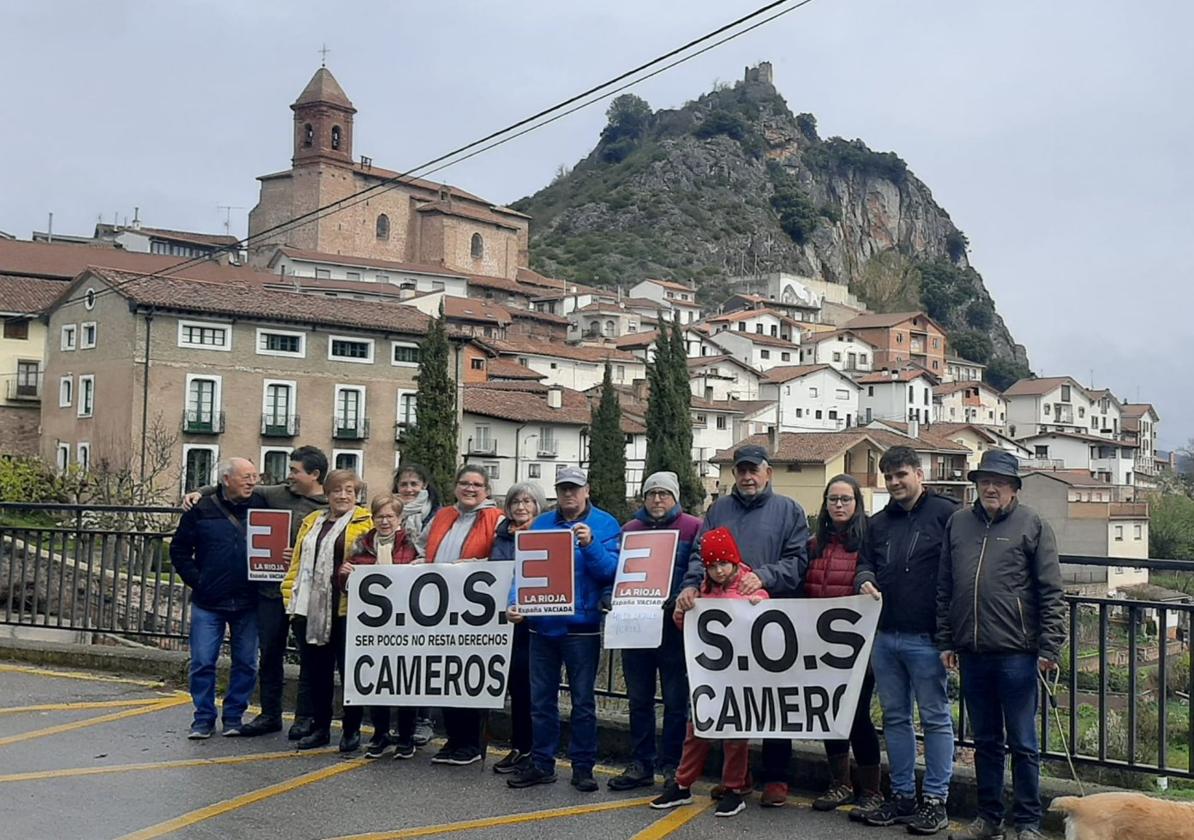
column 301, row 728
column 424, row 731
column 377, row 746
column 510, row 763
column 350, row 742
column 200, row 732
column 583, row 781
column 444, row 755
column 261, row 725
column 835, row 797
column 981, row 829
column 775, row 795
column 636, row 775
column 317, row 738
column 673, row 796
column 930, row 817
column 866, row 804
column 896, row 811
column 462, row 756
column 530, row 776
column 730, row 804
column 717, row 792
column 404, row 750
column 232, row 730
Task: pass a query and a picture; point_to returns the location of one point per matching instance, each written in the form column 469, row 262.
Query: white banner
column 784, row 668
column 641, row 587
column 428, row 635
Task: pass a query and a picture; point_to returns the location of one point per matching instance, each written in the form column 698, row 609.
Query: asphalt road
column 93, row 756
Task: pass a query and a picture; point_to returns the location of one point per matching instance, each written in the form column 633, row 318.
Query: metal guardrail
column 106, row 569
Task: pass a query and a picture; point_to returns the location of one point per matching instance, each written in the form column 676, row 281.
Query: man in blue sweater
column 210, row 554
column 573, row 641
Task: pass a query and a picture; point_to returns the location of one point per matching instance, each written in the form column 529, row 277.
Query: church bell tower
column 322, row 121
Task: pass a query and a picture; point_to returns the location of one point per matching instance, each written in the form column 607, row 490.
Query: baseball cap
column 572, row 475
column 750, row 454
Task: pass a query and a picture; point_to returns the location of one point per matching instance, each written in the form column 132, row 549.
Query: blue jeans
column 908, row 666
column 639, row 667
column 207, row 634
column 1001, row 689
column 578, row 655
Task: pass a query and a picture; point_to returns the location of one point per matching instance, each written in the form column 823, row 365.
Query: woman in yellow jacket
column 318, row 609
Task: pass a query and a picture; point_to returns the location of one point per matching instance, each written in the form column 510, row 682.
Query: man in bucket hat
column 1000, row 616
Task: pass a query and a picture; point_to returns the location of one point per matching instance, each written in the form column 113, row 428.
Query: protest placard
column 267, row 533
column 428, row 635
column 787, row 668
column 543, row 578
column 641, row 587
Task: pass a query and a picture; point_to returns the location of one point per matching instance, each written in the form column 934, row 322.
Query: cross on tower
column 324, row 56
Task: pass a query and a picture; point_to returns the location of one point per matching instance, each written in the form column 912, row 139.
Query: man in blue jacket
column 574, row 641
column 210, row 554
column 661, row 511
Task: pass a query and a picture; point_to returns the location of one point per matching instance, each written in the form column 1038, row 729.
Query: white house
column 578, row 367
column 680, row 298
column 905, row 394
column 722, row 377
column 642, row 344
column 602, row 319
column 1056, row 403
column 842, row 349
column 300, row 265
column 1106, row 413
column 958, row 369
column 761, row 352
column 713, row 429
column 1111, row 460
column 970, row 401
column 812, row 398
column 1140, row 422
column 757, row 321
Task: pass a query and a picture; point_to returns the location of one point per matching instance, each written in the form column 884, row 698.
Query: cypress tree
column 659, row 420
column 431, row 441
column 692, row 491
column 669, row 417
column 607, row 464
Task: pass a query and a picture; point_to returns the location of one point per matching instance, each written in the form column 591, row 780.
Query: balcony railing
column 350, row 428
column 485, row 447
column 274, row 425
column 548, row 448
column 24, row 390
column 203, row 422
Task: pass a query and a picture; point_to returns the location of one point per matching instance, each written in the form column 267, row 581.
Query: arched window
column 478, row 247
column 335, row 137
column 611, row 329
column 383, row 226
column 308, row 135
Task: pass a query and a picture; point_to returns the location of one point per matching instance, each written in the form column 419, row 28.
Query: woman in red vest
column 833, row 551
column 462, row 533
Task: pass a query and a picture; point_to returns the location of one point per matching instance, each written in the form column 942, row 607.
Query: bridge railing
column 1124, row 696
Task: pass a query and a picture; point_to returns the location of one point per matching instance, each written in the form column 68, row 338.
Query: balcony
column 350, row 428
column 24, row 391
column 548, row 448
column 195, row 422
column 279, row 426
column 484, row 447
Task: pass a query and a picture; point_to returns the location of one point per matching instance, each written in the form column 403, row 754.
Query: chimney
column 555, row 397
column 136, row 218
column 913, row 428
column 773, row 440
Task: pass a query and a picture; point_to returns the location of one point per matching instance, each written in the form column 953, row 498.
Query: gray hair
column 526, row 488
column 225, row 468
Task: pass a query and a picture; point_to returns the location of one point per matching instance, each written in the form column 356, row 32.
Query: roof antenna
column 228, row 208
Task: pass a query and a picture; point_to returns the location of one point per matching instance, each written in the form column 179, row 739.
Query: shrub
column 807, row 124
column 971, row 345
column 956, row 244
column 28, row 480
column 855, row 156
column 721, row 122
column 980, row 314
column 798, row 216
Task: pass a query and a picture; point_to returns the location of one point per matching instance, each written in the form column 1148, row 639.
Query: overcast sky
column 1058, row 135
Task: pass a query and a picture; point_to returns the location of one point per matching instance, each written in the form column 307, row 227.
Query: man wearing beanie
column 772, row 532
column 661, row 511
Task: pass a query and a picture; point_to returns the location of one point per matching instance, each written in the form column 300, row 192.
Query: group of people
column 977, row 588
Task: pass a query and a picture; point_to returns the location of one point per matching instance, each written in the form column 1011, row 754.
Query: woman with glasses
column 462, row 533
column 838, row 536
column 524, row 502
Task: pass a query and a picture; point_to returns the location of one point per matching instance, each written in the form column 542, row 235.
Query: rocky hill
column 734, row 183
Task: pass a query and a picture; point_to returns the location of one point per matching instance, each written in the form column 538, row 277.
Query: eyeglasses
column 839, row 500
column 657, row 494
column 522, row 503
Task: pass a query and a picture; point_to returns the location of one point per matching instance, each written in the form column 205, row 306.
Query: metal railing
column 198, row 422
column 279, row 425
column 350, row 428
column 1124, row 697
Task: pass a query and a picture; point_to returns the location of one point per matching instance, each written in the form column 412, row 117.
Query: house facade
column 723, row 377
column 762, row 352
column 1056, row 403
column 812, row 398
column 902, row 338
column 676, row 297
column 22, row 359
column 841, row 349
column 969, row 401
column 900, row 395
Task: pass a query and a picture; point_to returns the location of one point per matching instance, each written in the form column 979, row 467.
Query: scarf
column 384, row 548
column 314, row 596
column 414, row 515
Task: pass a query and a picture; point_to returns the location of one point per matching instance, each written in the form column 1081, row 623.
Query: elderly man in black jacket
column 1000, row 613
column 210, row 553
column 772, row 533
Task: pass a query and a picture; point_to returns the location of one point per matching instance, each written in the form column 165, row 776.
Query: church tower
column 322, row 121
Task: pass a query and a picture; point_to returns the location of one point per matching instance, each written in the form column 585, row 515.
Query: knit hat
column 663, row 480
column 719, row 546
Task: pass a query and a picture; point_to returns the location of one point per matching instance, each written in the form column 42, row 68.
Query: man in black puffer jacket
column 899, row 560
column 209, row 553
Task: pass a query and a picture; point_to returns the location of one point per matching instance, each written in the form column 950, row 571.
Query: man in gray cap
column 772, row 533
column 661, row 511
column 1000, row 613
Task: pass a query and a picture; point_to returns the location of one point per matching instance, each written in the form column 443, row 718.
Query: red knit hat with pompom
column 719, row 546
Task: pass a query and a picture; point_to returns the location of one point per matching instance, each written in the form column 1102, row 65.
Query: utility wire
column 444, row 161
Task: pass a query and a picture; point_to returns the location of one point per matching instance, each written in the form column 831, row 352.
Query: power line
column 444, row 161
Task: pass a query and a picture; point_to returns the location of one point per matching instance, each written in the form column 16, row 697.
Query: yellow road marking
column 78, row 707
column 73, row 772
column 679, row 817
column 505, row 819
column 201, row 814
column 92, row 721
column 74, row 675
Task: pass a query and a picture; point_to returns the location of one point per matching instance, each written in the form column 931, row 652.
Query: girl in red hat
column 724, row 571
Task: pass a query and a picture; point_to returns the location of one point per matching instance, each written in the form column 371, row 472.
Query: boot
column 840, row 791
column 870, row 796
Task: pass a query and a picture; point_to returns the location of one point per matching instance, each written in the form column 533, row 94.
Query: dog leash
column 1051, row 693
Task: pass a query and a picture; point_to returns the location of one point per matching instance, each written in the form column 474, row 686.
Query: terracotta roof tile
column 885, row 320
column 786, row 373
column 1041, row 386
column 756, row 338
column 819, row 447
column 65, row 262
column 474, row 309
column 881, row 377
column 527, row 405
column 669, row 284
column 515, row 346
column 1137, row 410
column 464, row 211
column 28, row 295
column 509, row 369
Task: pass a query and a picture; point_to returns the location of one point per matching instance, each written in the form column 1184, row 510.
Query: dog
column 1124, row 816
